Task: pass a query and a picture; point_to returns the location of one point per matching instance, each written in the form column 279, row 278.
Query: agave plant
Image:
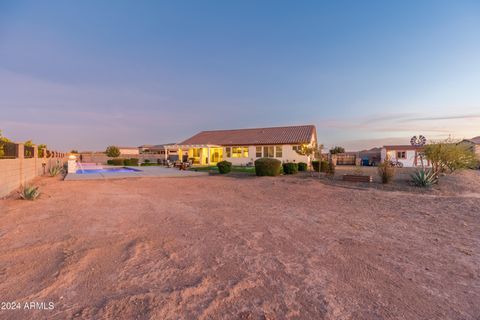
column 424, row 178
column 29, row 193
column 55, row 171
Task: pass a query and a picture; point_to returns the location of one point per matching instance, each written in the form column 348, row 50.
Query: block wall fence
column 21, row 170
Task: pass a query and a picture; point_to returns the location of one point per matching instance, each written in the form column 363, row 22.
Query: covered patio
column 201, row 154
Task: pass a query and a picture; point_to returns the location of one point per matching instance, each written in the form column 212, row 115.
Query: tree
column 449, row 156
column 28, row 143
column 3, row 140
column 337, row 149
column 113, row 152
column 312, row 151
column 74, row 151
column 40, row 150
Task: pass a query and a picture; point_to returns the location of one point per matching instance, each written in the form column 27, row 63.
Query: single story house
column 407, row 155
column 474, row 144
column 244, row 146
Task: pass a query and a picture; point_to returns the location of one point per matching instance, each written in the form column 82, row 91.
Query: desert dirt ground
column 235, row 247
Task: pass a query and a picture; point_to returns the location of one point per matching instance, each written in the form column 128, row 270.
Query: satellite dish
column 418, row 141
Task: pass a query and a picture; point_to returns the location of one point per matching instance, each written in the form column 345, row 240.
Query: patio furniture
column 182, row 165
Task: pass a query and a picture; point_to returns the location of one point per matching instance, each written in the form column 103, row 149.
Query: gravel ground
column 242, row 248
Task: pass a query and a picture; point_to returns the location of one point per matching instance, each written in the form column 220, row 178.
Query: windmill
column 419, row 141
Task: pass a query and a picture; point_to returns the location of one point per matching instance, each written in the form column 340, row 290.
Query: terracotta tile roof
column 257, row 136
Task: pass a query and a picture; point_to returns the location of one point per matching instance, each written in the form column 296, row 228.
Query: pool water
column 107, row 170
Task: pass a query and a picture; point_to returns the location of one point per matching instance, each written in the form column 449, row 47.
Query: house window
column 297, row 148
column 258, row 152
column 268, row 151
column 278, row 151
column 228, row 151
column 401, row 155
column 239, row 152
column 196, row 152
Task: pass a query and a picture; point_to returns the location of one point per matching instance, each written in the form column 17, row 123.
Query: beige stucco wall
column 103, row 158
column 129, row 151
column 17, row 172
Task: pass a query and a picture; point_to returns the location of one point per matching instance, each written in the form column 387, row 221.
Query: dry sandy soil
column 242, row 248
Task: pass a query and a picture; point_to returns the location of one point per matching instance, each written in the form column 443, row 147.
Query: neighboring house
column 244, row 146
column 145, row 148
column 128, row 150
column 474, row 144
column 407, row 155
column 169, row 150
column 371, row 157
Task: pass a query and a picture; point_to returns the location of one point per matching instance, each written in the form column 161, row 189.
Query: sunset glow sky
column 87, row 74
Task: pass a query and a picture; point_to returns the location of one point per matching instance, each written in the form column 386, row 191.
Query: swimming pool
column 107, row 170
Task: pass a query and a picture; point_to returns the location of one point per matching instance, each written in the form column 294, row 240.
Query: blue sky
column 87, row 74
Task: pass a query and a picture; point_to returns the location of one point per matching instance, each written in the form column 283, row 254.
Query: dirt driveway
column 239, row 248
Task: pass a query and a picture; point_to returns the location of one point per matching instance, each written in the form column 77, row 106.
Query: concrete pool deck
column 146, row 171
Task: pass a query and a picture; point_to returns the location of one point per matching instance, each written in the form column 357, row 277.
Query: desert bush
column 302, row 166
column 116, row 162
column 424, row 178
column 330, row 170
column 29, row 192
column 316, row 165
column 224, row 167
column 268, row 167
column 323, row 166
column 131, row 162
column 449, row 156
column 55, row 171
column 386, row 171
column 290, row 168
column 113, row 152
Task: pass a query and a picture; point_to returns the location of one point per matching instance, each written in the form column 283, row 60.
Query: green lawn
column 215, row 169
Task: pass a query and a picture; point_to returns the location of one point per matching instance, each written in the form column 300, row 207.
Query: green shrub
column 29, row 193
column 224, row 167
column 330, row 171
column 448, row 156
column 267, row 167
column 113, row 152
column 386, row 171
column 290, row 168
column 302, row 166
column 116, row 162
column 316, row 165
column 424, row 178
column 146, row 161
column 324, row 166
column 131, row 162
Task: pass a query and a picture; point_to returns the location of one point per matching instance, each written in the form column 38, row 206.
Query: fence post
column 44, row 160
column 35, row 158
column 21, row 157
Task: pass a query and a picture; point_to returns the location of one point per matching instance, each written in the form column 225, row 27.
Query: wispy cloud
column 375, row 130
column 446, row 117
